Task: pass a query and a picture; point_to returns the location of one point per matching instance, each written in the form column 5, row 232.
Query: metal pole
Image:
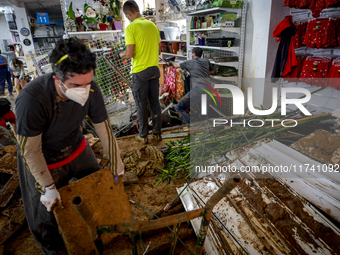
column 86, row 214
column 174, row 239
column 221, row 193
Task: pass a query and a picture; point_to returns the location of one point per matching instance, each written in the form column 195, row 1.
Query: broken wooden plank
column 9, row 190
column 10, row 149
column 13, row 225
column 8, row 162
column 108, row 203
column 130, row 178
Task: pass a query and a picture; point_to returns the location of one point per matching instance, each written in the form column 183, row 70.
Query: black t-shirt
column 199, row 69
column 39, row 112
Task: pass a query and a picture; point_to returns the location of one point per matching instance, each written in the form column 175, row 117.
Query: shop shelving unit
column 223, row 51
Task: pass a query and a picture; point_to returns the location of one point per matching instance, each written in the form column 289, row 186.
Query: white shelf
column 173, row 40
column 171, row 54
column 233, row 64
column 169, row 21
column 234, row 49
column 150, row 17
column 40, row 57
column 94, row 32
column 214, row 10
column 232, row 78
column 228, row 29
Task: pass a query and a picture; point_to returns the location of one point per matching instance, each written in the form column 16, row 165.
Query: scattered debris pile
column 269, row 213
column 144, row 161
column 321, row 145
column 12, row 215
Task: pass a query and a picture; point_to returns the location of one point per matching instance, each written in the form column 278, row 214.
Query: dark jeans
column 5, row 75
column 42, row 223
column 145, row 88
column 193, row 96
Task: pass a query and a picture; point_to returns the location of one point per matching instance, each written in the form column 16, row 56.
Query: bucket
column 118, row 25
column 170, row 33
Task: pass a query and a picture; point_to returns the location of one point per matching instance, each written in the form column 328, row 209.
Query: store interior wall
column 261, row 47
column 5, row 34
column 278, row 13
column 256, row 46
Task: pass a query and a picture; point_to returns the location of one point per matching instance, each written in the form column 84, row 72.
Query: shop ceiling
column 52, row 7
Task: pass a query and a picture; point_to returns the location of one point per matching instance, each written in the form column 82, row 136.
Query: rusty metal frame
column 129, row 228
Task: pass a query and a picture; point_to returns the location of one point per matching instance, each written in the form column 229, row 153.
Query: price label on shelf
column 42, row 18
column 233, row 2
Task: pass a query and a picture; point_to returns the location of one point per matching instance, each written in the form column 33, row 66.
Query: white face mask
column 78, row 95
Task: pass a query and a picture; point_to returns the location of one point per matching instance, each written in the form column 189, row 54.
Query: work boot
column 157, row 138
column 141, row 139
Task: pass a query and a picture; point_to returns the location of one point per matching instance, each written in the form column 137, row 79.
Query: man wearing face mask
column 51, row 147
column 142, row 39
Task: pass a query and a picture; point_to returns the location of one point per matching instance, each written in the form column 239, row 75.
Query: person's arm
column 129, row 43
column 98, row 115
column 22, row 73
column 110, row 146
column 129, row 52
column 211, row 69
column 31, row 122
column 31, row 151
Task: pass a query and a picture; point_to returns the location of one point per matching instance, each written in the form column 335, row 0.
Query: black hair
column 0, row 51
column 198, row 52
column 130, row 6
column 11, row 47
column 5, row 106
column 80, row 59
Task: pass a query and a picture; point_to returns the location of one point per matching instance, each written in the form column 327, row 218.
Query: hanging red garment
column 169, row 83
column 294, row 75
column 303, row 4
column 317, row 6
column 334, row 74
column 315, row 71
column 321, row 33
column 332, row 3
column 298, row 4
column 285, row 57
column 290, row 3
column 299, row 37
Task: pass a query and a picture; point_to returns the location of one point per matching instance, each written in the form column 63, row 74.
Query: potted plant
column 79, row 21
column 71, row 25
column 110, row 25
column 118, row 22
column 102, row 23
column 115, row 6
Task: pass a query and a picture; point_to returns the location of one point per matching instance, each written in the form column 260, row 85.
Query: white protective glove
column 51, row 198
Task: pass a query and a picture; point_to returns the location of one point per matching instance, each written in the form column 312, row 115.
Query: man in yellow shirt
column 142, row 40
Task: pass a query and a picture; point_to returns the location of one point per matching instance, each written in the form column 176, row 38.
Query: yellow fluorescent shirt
column 145, row 35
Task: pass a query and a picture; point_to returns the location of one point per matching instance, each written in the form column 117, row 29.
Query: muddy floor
column 145, row 193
